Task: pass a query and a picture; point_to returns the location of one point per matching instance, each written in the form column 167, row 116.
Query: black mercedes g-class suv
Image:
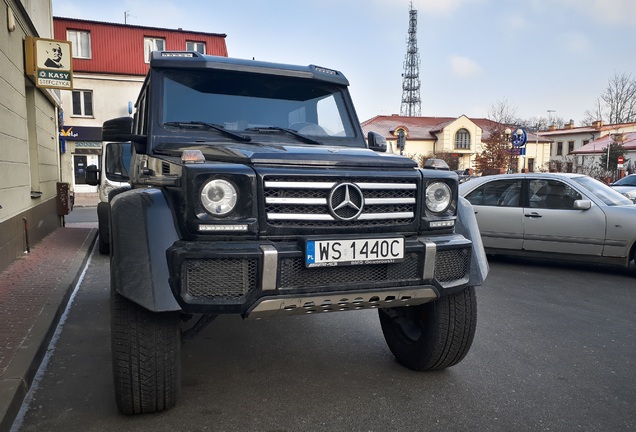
column 253, row 192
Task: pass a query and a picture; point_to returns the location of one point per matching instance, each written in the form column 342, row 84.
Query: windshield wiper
column 234, row 135
column 302, row 137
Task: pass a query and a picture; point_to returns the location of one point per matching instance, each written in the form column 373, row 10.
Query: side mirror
column 582, row 204
column 376, row 142
column 120, row 130
column 92, row 175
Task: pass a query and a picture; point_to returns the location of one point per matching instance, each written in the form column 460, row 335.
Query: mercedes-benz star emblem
column 346, row 202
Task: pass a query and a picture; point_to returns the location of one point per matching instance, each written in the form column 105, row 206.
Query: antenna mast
column 411, row 102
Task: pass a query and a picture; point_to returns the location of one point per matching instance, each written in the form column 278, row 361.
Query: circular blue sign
column 519, row 138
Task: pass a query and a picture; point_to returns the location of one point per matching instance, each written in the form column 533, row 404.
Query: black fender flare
column 142, row 228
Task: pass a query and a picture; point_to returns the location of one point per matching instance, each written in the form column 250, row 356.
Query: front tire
column 103, row 228
column 146, row 352
column 432, row 336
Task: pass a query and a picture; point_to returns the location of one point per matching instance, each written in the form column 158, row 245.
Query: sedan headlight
column 219, row 197
column 631, row 195
column 438, row 197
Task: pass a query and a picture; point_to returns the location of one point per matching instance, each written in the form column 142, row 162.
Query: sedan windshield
column 256, row 104
column 603, row 192
column 630, row 180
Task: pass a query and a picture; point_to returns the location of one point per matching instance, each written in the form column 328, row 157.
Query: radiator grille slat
column 303, row 202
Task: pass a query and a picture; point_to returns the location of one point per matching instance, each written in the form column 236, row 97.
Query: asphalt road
column 555, row 350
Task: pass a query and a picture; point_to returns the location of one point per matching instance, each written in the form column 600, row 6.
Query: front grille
column 452, row 264
column 303, row 201
column 222, row 280
column 294, row 274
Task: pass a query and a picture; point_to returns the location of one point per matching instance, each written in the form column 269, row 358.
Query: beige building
column 29, row 145
column 458, row 138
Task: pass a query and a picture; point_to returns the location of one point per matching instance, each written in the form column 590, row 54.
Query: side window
column 81, row 43
column 462, row 139
column 153, row 44
column 82, row 103
column 506, row 193
column 195, row 46
column 552, row 194
column 141, row 116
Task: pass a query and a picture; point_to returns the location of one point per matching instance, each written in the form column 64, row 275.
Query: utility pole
column 411, row 103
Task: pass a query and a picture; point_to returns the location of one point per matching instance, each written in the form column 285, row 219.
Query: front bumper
column 270, row 278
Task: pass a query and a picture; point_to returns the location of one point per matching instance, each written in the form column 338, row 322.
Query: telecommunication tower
column 411, row 103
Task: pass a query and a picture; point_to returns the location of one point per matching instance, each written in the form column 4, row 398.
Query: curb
column 19, row 375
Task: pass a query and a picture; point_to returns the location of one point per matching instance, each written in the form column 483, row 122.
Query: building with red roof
column 593, row 151
column 458, row 139
column 110, row 62
column 570, row 140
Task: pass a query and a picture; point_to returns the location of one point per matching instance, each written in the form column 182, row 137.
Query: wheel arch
column 142, row 227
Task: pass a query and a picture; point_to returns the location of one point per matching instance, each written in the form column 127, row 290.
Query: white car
column 549, row 215
column 626, row 186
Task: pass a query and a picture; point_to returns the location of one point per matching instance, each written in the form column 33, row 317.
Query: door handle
column 533, row 215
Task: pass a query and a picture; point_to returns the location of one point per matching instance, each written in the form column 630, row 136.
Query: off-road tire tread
column 146, row 357
column 447, row 335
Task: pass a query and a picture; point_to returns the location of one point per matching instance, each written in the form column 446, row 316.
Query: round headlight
column 219, row 197
column 438, row 197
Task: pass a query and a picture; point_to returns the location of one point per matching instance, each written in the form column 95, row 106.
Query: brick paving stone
column 33, row 292
column 26, row 285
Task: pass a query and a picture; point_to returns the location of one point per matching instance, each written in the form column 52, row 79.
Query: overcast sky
column 537, row 55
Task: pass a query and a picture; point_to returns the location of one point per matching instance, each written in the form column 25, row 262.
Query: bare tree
column 505, row 113
column 538, row 123
column 617, row 103
column 502, row 112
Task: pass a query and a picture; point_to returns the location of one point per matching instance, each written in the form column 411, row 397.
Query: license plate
column 323, row 253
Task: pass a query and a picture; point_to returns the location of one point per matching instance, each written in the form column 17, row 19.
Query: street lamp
column 507, row 132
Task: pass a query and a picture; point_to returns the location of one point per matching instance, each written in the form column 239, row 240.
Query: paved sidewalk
column 34, row 291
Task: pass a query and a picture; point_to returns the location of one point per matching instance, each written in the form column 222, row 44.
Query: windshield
column 630, row 180
column 256, row 104
column 117, row 161
column 603, row 192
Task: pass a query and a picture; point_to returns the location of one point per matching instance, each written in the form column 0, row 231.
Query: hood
column 307, row 155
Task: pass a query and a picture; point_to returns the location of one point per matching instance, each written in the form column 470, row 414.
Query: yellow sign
column 49, row 63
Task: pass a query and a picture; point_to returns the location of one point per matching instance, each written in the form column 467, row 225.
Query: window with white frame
column 82, row 103
column 81, row 43
column 195, row 46
column 462, row 139
column 153, row 44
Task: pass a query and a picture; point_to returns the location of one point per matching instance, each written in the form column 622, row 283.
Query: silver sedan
column 626, row 186
column 549, row 215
